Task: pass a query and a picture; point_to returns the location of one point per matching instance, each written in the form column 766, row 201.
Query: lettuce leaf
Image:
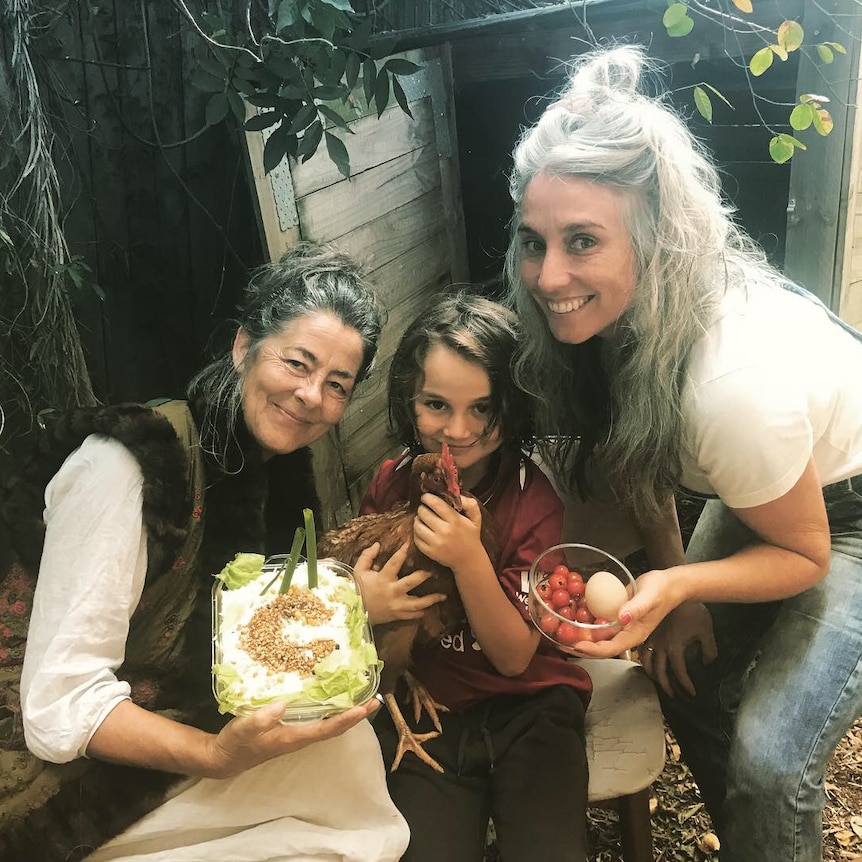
column 242, row 569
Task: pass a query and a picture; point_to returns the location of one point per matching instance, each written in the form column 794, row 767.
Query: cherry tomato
column 559, row 598
column 567, row 612
column 557, row 580
column 562, row 570
column 544, row 590
column 568, row 634
column 582, row 615
column 575, row 585
column 548, row 623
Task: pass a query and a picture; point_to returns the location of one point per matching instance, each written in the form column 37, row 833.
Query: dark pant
column 520, row 760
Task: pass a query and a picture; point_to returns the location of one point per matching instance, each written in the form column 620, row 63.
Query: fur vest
column 197, row 518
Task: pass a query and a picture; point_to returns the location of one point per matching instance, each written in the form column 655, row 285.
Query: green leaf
column 237, row 105
column 328, row 93
column 399, row 66
column 207, row 83
column 303, row 117
column 287, row 15
column 381, row 92
column 720, row 95
column 369, row 78
column 674, row 14
column 825, row 53
column 310, row 139
column 802, row 116
column 338, row 153
column 217, row 109
column 265, row 100
column 323, row 19
column 703, row 104
column 259, row 122
column 381, row 48
column 782, row 147
column 682, row 29
column 275, row 148
column 351, row 70
column 761, row 61
column 790, row 35
column 401, row 97
column 343, row 5
column 335, row 118
column 780, row 150
column 837, row 47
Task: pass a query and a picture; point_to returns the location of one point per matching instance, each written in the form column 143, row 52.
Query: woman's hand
column 386, row 596
column 655, row 598
column 250, row 740
column 665, row 650
column 445, row 535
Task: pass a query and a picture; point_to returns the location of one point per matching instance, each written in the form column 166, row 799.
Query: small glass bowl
column 296, row 710
column 558, row 627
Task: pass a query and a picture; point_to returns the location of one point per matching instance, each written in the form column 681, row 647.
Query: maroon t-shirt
column 529, row 518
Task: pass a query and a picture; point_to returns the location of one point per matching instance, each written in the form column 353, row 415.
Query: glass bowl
column 287, row 652
column 559, row 594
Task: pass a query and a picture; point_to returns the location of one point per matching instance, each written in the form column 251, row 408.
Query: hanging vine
column 41, row 361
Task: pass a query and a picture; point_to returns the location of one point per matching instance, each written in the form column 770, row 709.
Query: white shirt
column 90, row 581
column 773, row 383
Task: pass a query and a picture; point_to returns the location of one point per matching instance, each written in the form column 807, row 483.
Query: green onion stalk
column 310, row 548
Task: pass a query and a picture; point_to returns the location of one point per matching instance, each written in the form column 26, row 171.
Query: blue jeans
column 786, row 687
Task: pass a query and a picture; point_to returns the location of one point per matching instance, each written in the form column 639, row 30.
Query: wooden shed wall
column 400, row 214
column 850, row 307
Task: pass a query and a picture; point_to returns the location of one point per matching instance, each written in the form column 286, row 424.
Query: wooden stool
column 625, row 747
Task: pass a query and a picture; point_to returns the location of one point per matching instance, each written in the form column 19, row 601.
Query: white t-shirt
column 773, row 382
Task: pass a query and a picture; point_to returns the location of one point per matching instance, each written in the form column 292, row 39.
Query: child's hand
column 386, row 596
column 445, row 535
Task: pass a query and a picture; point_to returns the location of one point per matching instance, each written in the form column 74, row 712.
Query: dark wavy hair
column 479, row 330
column 307, row 279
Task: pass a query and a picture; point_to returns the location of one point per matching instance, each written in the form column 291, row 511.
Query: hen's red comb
column 447, row 462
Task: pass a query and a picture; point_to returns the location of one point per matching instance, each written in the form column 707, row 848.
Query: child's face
column 452, row 406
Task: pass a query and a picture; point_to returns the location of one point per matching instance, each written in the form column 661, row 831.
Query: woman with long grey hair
column 666, row 350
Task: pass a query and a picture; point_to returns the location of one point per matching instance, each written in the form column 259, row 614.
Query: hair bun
column 602, row 74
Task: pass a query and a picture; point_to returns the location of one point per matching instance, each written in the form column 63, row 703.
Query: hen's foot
column 407, row 740
column 422, row 699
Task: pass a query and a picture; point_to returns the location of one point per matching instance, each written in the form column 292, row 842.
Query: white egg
column 605, row 594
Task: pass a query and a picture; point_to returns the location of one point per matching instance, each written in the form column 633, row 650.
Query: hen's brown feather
column 395, row 641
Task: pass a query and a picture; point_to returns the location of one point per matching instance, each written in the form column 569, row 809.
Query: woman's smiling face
column 298, row 382
column 576, row 256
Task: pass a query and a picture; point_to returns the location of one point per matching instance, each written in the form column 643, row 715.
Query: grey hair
column 307, row 279
column 623, row 401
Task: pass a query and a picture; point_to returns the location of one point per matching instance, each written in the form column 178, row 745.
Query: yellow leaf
column 743, row 5
column 790, row 35
column 778, row 51
column 822, row 121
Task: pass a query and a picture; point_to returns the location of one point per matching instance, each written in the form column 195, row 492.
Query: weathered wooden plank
column 404, row 287
column 334, row 211
column 373, row 142
column 379, row 241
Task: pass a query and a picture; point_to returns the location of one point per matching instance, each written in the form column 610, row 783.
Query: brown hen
column 435, row 474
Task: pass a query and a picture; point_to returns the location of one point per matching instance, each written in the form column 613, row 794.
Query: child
column 512, row 745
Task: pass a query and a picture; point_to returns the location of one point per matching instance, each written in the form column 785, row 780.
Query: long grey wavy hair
column 621, row 399
column 307, row 279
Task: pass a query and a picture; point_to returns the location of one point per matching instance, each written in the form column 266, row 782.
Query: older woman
column 660, row 337
column 115, row 678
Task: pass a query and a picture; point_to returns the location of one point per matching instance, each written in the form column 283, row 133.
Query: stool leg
column 635, row 826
